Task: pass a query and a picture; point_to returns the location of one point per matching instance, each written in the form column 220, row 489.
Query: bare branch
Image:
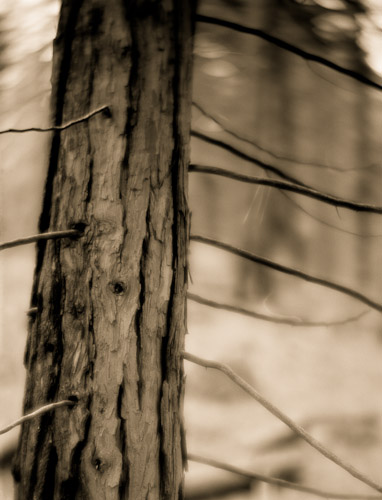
column 68, row 233
column 265, row 150
column 287, row 270
column 278, row 156
column 37, row 413
column 289, row 186
column 297, row 206
column 281, row 416
column 290, row 48
column 64, row 126
column 246, row 157
column 272, row 319
column 278, row 482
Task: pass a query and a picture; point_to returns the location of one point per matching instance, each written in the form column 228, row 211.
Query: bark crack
column 69, row 487
column 122, row 444
column 66, row 35
column 91, row 340
column 139, row 313
column 132, row 97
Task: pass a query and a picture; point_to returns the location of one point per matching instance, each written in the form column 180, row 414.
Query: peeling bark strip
column 111, row 305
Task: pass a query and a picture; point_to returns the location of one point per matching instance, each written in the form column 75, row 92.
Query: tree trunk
column 112, row 303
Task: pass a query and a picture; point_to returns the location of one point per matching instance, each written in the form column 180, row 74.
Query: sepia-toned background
column 319, row 126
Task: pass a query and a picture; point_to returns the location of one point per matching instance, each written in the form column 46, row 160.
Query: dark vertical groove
column 130, row 55
column 41, row 442
column 139, row 313
column 91, row 340
column 175, row 165
column 69, row 22
column 50, row 475
column 96, row 17
column 44, row 455
column 163, row 459
column 69, row 488
column 55, row 317
column 90, row 180
column 124, row 479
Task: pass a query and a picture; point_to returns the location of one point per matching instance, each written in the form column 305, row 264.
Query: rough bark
column 112, row 302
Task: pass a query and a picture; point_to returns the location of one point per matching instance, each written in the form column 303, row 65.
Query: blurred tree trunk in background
column 335, row 128
column 275, row 120
column 366, row 260
column 111, row 304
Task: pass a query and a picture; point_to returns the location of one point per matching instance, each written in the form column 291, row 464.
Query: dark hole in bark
column 97, row 464
column 107, row 112
column 79, row 226
column 49, row 347
column 74, row 399
column 118, row 287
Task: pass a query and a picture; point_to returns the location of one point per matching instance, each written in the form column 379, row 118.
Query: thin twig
column 289, row 186
column 297, row 206
column 290, row 48
column 278, row 482
column 287, row 270
column 272, row 319
column 278, row 156
column 281, row 416
column 57, row 127
column 37, row 413
column 246, row 157
column 68, row 233
column 262, row 148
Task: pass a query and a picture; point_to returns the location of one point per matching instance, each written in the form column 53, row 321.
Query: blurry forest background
column 317, row 125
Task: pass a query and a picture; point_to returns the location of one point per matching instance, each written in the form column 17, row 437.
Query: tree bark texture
column 112, row 303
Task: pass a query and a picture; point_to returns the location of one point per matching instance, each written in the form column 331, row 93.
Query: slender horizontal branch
column 281, row 416
column 297, row 206
column 246, row 157
column 37, row 413
column 287, row 270
column 272, row 319
column 288, row 186
column 265, row 150
column 309, row 56
column 68, row 233
column 64, row 126
column 278, row 156
column 278, row 482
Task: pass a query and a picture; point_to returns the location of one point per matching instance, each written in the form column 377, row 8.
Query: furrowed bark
column 112, row 303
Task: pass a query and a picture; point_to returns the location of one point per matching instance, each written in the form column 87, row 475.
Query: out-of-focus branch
column 281, row 416
column 288, row 186
column 290, row 48
column 278, row 156
column 265, row 150
column 287, row 270
column 278, row 482
column 272, row 319
column 244, row 156
column 297, row 206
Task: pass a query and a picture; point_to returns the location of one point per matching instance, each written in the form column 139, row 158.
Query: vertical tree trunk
column 111, row 303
